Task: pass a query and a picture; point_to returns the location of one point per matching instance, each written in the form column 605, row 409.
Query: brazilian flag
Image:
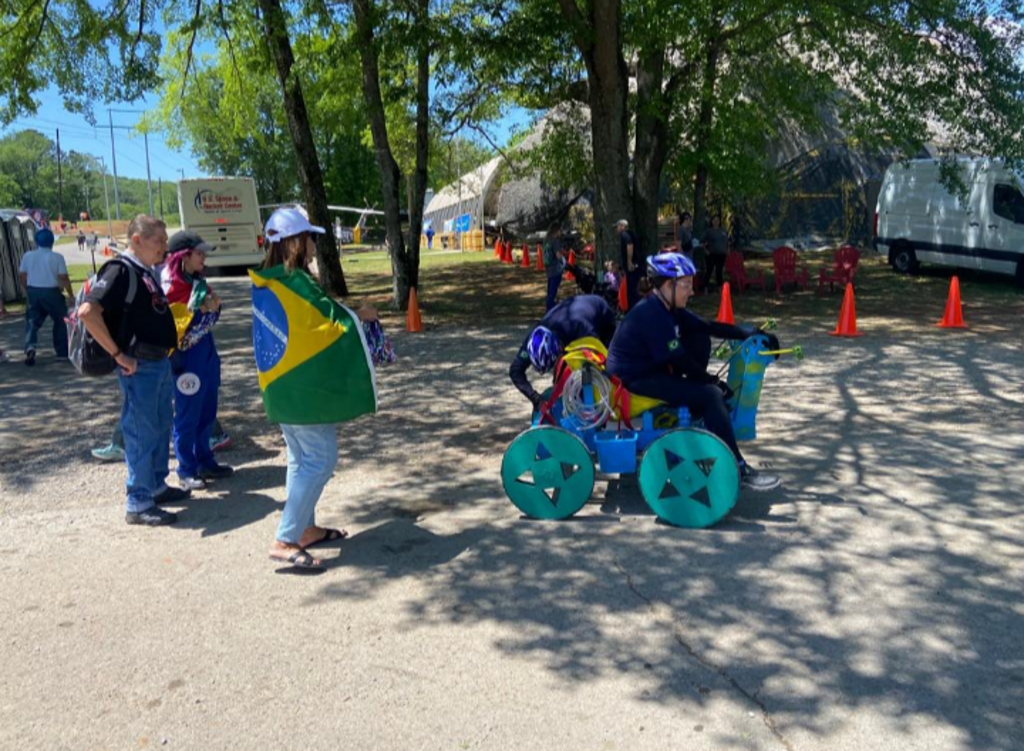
column 314, row 366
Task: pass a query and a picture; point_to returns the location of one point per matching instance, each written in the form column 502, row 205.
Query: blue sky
column 77, row 135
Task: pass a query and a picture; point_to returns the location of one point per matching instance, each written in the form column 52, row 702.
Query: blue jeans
column 553, row 284
column 312, row 455
column 146, row 420
column 195, row 411
column 46, row 302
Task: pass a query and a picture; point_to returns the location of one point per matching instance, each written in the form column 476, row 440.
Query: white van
column 226, row 213
column 918, row 220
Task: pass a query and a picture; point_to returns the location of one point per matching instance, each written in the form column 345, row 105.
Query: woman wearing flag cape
column 314, row 371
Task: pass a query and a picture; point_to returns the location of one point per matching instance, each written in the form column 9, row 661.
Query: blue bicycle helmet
column 544, row 349
column 670, row 265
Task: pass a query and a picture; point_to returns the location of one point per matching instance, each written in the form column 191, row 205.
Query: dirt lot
column 874, row 602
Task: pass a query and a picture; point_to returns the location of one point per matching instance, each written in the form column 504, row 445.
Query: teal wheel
column 547, row 473
column 689, row 478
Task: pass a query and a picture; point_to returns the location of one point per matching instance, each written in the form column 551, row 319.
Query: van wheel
column 904, row 260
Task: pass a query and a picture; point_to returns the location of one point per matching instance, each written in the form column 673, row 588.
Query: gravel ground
column 871, row 603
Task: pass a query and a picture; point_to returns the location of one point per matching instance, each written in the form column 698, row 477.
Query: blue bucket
column 616, row 452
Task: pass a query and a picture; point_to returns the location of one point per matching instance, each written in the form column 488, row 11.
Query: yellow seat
column 591, row 350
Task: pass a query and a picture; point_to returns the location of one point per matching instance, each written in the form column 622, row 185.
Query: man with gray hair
column 127, row 313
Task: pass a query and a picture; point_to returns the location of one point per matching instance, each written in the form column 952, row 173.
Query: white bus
column 226, row 213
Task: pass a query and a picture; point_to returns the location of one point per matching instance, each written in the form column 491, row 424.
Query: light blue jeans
column 312, row 456
column 146, row 420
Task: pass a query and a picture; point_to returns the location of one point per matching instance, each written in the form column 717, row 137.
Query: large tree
column 705, row 85
column 380, row 25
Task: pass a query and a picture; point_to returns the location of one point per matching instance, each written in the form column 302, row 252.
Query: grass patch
column 475, row 289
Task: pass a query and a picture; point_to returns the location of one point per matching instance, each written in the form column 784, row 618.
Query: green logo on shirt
column 673, row 345
column 524, row 355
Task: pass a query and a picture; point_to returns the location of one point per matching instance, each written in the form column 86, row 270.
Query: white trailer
column 226, row 213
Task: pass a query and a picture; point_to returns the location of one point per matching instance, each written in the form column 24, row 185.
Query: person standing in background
column 554, row 264
column 43, row 274
column 716, row 246
column 630, row 261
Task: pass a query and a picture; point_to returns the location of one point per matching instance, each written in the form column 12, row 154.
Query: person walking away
column 81, row 240
column 554, row 264
column 145, row 334
column 195, row 364
column 314, row 372
column 716, row 242
column 430, row 236
column 684, row 234
column 44, row 274
column 629, row 261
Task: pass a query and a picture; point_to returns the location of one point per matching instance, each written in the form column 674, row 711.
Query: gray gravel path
column 874, row 602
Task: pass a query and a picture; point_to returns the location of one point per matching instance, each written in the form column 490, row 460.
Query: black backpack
column 85, row 353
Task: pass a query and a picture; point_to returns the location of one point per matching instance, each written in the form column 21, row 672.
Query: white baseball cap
column 289, row 222
column 621, row 223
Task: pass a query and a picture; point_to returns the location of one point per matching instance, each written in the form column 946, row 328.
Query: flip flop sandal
column 330, row 535
column 299, row 559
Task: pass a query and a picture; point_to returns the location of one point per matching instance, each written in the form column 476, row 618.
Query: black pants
column 716, row 265
column 631, row 280
column 702, row 399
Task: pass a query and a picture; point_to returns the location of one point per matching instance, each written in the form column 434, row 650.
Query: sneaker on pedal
column 758, row 481
column 151, row 517
column 111, row 453
column 216, row 472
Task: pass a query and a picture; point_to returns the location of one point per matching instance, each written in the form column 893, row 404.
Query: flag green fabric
column 313, row 363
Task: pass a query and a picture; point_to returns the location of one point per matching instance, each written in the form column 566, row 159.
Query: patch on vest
column 189, row 384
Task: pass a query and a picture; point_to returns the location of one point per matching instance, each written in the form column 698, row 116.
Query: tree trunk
column 419, row 191
column 598, row 36
column 390, row 176
column 328, row 261
column 651, row 151
column 705, row 118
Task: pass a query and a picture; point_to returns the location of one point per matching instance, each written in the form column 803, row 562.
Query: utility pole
column 160, row 192
column 106, row 199
column 60, row 183
column 113, row 157
column 149, row 179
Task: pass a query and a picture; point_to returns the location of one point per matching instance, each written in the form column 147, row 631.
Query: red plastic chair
column 737, row 271
column 844, row 268
column 786, row 271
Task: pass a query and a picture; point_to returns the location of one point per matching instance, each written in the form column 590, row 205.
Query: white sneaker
column 758, row 481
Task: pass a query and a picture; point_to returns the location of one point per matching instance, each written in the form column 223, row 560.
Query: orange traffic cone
column 508, row 253
column 571, row 262
column 623, row 296
column 526, row 258
column 725, row 307
column 847, row 325
column 499, row 249
column 954, row 318
column 413, row 321
column 106, row 251
column 540, row 259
